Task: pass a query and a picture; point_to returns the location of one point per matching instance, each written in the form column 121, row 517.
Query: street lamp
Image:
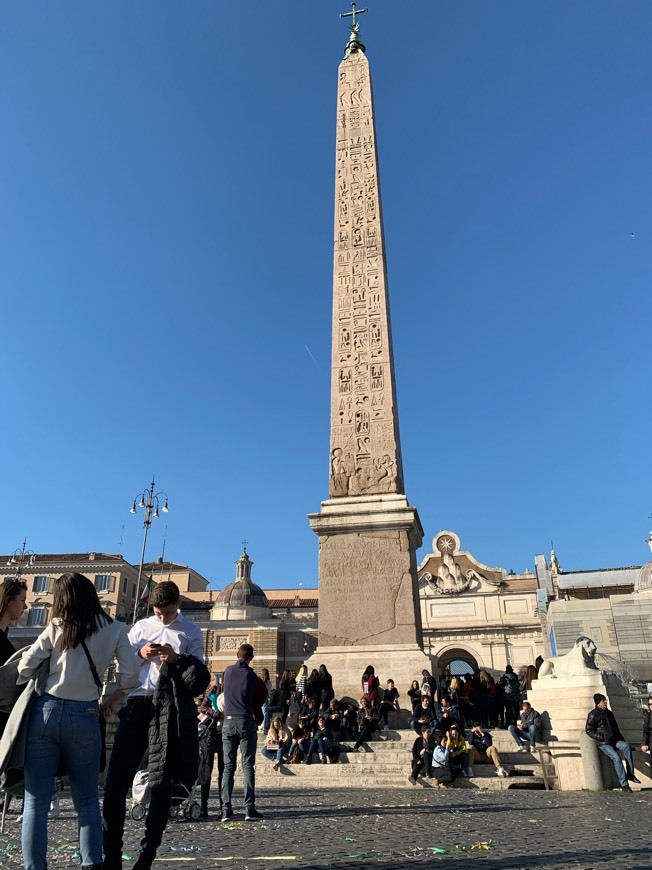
column 150, row 501
column 22, row 558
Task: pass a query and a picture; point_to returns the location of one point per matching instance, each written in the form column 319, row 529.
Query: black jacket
column 173, row 738
column 601, row 725
column 647, row 727
column 421, row 743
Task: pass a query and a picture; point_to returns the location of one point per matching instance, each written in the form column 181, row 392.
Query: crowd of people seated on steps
column 311, row 722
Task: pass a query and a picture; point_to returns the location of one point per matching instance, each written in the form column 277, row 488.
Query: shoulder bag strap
column 91, row 665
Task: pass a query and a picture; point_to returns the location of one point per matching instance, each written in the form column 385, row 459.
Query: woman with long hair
column 302, row 678
column 526, row 683
column 313, row 686
column 370, row 685
column 286, row 693
column 80, row 643
column 264, row 676
column 13, row 593
column 326, row 681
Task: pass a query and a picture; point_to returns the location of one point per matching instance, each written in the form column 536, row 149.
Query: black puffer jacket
column 601, row 725
column 173, row 740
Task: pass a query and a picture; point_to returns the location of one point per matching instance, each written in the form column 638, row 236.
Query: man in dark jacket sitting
column 422, row 750
column 601, row 726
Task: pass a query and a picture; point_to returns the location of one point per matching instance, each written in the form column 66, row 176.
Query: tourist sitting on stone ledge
column 457, row 751
column 278, row 744
column 482, row 750
column 424, row 714
column 350, row 720
column 601, row 726
column 422, row 750
column 450, row 713
column 299, row 743
column 368, row 722
column 308, row 716
column 441, row 764
column 337, row 722
column 322, row 742
column 528, row 729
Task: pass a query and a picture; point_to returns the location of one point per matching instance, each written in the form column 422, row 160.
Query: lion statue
column 574, row 664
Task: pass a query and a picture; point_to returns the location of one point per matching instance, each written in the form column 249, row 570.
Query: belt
column 142, row 699
column 248, row 716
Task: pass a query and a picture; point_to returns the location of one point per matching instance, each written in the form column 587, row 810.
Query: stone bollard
column 591, row 764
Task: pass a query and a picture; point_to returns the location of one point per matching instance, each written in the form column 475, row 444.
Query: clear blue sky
column 166, row 197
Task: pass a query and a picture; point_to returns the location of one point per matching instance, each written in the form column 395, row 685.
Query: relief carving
column 230, row 642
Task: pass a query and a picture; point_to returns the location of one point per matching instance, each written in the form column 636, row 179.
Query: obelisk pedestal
column 368, row 533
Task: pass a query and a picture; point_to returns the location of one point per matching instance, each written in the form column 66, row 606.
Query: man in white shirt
column 166, row 638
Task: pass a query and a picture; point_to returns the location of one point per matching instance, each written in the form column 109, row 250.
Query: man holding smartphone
column 172, row 674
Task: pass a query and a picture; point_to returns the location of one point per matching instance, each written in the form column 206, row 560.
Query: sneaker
column 626, row 788
column 501, row 772
column 252, row 815
column 142, row 864
column 412, row 780
column 227, row 815
column 469, row 772
column 276, row 765
column 632, row 778
column 386, row 728
column 464, row 773
column 203, row 813
column 55, row 809
column 522, row 749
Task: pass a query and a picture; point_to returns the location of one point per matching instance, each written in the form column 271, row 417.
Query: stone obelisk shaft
column 368, row 533
column 365, row 453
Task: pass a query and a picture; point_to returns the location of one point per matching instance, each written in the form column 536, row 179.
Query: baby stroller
column 183, row 800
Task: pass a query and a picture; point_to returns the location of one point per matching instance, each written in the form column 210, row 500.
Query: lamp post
column 22, row 558
column 149, row 501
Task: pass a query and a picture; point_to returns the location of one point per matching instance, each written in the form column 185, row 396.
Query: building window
column 41, row 583
column 103, row 582
column 37, row 616
column 125, row 583
column 133, row 591
column 293, row 645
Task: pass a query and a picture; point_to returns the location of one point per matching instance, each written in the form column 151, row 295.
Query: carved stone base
column 368, row 594
column 346, row 665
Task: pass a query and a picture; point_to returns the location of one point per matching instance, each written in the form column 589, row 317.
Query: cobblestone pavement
column 513, row 830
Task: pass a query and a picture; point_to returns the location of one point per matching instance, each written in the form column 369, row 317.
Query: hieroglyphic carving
column 365, row 456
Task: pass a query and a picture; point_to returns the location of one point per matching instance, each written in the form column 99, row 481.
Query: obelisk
column 368, row 534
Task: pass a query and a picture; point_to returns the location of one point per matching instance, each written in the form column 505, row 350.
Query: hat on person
column 598, row 697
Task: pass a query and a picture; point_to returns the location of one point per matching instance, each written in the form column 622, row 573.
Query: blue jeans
column 274, row 754
column 266, row 716
column 611, row 754
column 67, row 730
column 239, row 731
column 523, row 735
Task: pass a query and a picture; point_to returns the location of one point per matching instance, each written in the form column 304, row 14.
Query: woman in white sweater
column 64, row 722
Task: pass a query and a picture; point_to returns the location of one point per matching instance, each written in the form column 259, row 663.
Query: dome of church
column 242, row 593
column 644, row 580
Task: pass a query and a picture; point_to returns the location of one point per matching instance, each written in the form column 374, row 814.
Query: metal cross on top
column 244, row 545
column 353, row 13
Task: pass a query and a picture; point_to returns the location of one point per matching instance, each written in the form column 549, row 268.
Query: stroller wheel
column 137, row 812
column 194, row 812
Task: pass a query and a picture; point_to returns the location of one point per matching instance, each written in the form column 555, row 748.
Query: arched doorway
column 457, row 662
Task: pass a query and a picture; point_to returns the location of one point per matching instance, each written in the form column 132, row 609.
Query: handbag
column 102, row 720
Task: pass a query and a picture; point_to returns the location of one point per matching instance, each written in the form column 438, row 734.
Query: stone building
column 476, row 616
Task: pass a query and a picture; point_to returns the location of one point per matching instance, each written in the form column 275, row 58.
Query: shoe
column 501, row 772
column 227, row 815
column 522, row 749
column 469, row 772
column 112, row 864
column 386, row 728
column 142, row 864
column 55, row 809
column 252, row 815
column 412, row 780
column 464, row 774
column 324, row 759
column 626, row 788
column 632, row 778
column 276, row 765
column 203, row 813
column 356, row 749
column 307, row 760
